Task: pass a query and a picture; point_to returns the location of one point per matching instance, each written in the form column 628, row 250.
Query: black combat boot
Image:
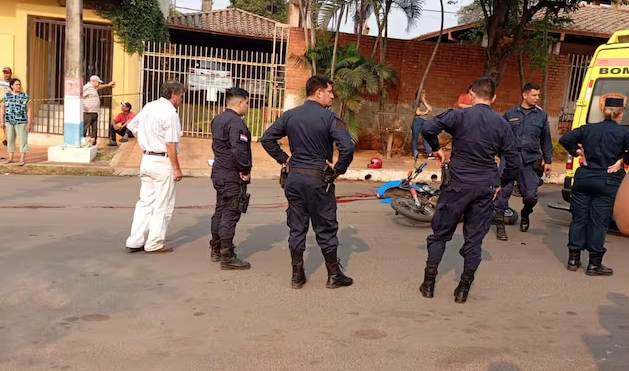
column 215, row 247
column 574, row 260
column 427, row 287
column 299, row 275
column 229, row 260
column 461, row 292
column 596, row 267
column 501, row 232
column 336, row 277
column 525, row 222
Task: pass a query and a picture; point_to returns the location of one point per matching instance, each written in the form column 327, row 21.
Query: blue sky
column 430, row 20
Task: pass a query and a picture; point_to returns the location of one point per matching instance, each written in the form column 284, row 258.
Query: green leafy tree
column 357, row 78
column 274, row 9
column 133, row 21
column 509, row 25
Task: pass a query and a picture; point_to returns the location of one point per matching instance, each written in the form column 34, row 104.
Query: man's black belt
column 313, row 172
column 154, row 153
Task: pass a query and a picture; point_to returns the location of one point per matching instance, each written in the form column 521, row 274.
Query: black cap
column 127, row 104
column 614, row 102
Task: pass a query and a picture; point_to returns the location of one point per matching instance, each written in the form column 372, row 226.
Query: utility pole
column 73, row 82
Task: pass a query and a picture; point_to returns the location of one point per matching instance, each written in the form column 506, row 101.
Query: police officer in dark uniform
column 312, row 130
column 530, row 126
column 596, row 182
column 231, row 172
column 478, row 135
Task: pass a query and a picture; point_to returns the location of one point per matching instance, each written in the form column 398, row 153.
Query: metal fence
column 578, row 68
column 46, row 67
column 208, row 72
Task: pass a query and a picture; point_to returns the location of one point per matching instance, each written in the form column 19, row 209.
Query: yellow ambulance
column 606, row 76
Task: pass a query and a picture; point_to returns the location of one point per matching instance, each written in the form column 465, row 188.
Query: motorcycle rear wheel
column 406, row 207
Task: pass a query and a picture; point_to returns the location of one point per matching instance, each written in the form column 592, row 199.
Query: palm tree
column 412, row 9
column 357, row 78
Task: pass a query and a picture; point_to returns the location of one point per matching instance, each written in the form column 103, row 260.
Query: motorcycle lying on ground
column 417, row 200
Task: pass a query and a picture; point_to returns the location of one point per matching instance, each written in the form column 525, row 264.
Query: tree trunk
column 336, row 42
column 375, row 45
column 304, row 23
column 432, row 57
column 521, row 68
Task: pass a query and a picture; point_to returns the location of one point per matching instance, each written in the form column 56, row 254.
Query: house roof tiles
column 232, row 21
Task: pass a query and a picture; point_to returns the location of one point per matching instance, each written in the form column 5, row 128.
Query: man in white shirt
column 157, row 129
column 91, row 106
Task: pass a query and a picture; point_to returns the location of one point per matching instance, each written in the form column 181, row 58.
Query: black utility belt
column 313, row 172
column 163, row 154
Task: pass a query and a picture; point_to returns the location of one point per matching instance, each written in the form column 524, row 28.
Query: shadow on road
column 348, row 243
column 262, row 238
column 611, row 350
column 503, row 366
column 452, row 259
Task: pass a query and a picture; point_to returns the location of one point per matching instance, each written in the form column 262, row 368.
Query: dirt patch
column 56, row 170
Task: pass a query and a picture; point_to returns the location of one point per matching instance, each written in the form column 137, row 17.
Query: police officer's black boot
column 215, row 247
column 229, row 260
column 427, row 287
column 299, row 275
column 574, row 260
column 525, row 222
column 336, row 277
column 461, row 292
column 501, row 232
column 596, row 267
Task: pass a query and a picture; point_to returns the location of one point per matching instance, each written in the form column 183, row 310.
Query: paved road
column 71, row 299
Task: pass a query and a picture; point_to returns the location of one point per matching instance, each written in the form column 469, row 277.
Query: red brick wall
column 452, row 71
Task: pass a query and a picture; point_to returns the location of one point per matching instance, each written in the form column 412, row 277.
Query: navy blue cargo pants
column 308, row 202
column 475, row 205
column 225, row 216
column 591, row 205
column 528, row 182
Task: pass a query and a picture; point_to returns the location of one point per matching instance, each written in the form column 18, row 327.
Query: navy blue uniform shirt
column 231, row 144
column 603, row 143
column 312, row 131
column 478, row 135
column 532, row 132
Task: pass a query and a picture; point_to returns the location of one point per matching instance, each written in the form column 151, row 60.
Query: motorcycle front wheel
column 406, row 207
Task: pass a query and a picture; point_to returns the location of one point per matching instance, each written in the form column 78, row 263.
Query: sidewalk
column 194, row 153
column 125, row 161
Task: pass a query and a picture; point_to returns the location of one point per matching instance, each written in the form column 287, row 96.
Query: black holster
column 241, row 201
column 538, row 167
column 446, row 174
column 283, row 175
column 329, row 175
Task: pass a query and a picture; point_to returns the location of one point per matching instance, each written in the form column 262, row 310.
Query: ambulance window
column 607, row 86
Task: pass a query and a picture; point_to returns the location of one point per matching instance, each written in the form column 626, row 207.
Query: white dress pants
column 155, row 207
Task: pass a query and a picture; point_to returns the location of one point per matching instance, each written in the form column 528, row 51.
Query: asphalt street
column 72, row 299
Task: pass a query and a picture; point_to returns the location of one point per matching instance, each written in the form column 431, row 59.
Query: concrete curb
column 389, row 175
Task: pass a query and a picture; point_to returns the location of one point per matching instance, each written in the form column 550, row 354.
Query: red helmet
column 375, row 163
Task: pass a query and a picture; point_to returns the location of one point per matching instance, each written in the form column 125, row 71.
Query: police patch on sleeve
column 243, row 138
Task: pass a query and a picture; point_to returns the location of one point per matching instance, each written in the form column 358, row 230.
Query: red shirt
column 124, row 117
column 464, row 99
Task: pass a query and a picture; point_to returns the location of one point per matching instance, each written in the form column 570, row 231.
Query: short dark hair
column 13, row 81
column 232, row 93
column 484, row 88
column 171, row 87
column 529, row 86
column 317, row 82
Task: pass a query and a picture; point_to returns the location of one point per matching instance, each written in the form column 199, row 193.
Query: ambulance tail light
column 569, row 162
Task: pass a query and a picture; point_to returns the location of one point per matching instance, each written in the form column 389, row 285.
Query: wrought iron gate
column 578, row 68
column 208, row 72
column 46, row 67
